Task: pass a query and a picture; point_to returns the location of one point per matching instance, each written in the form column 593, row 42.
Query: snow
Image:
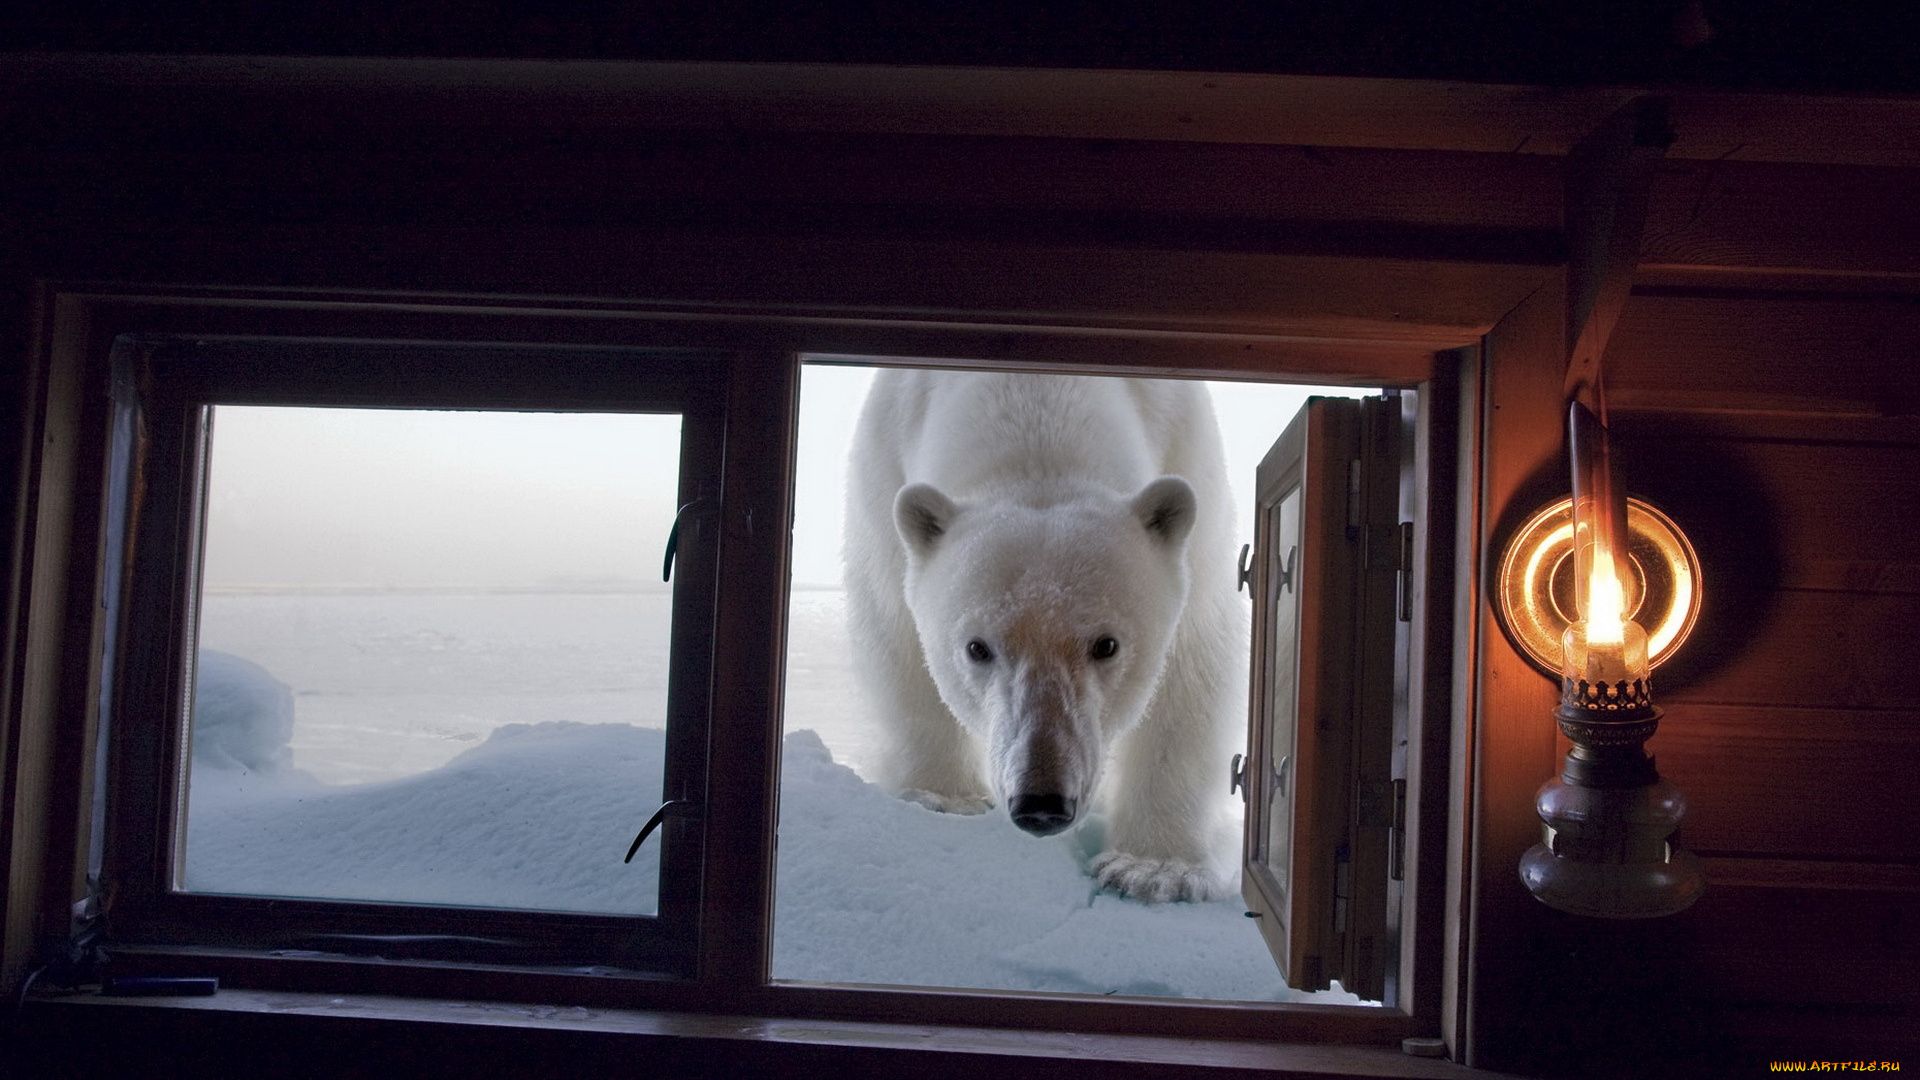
column 242, row 715
column 870, row 889
column 874, row 889
column 537, row 816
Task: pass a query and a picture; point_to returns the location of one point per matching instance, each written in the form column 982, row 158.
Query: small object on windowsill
column 160, row 986
column 1424, row 1047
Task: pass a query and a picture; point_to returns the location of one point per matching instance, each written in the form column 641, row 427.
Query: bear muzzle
column 1041, row 815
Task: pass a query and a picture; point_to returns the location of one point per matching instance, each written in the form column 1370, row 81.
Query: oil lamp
column 1609, row 817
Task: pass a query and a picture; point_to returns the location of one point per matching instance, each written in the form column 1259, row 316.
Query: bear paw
column 949, row 804
column 1158, row 881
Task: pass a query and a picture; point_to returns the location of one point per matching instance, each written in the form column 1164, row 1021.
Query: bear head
column 1046, row 625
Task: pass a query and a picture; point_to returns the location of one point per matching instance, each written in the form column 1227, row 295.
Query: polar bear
column 1042, row 606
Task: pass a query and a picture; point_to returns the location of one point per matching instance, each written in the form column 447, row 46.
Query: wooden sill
column 315, row 1029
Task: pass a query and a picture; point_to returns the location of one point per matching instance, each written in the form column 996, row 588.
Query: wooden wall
column 1795, row 726
column 1767, row 397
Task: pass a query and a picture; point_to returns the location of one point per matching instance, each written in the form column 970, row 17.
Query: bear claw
column 1157, row 881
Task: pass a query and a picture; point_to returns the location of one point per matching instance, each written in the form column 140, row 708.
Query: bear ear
column 922, row 514
column 1166, row 507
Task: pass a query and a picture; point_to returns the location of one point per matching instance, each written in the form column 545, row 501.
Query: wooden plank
column 1745, row 975
column 1737, row 872
column 1826, row 948
column 1754, row 352
column 1118, row 346
column 1762, row 282
column 1825, row 217
column 1357, row 201
column 1773, row 513
column 736, row 923
column 1832, row 650
column 40, row 591
column 1803, row 783
column 259, row 1032
column 1407, row 114
column 1786, row 427
column 1517, row 462
column 1469, row 202
column 1431, row 305
column 1842, row 517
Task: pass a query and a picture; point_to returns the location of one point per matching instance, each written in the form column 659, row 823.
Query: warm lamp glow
column 1606, row 602
column 1604, row 659
column 1541, row 591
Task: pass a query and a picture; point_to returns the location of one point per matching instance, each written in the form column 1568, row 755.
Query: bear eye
column 978, row 652
column 1105, row 648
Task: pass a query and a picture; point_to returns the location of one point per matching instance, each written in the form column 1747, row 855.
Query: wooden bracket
column 1609, row 173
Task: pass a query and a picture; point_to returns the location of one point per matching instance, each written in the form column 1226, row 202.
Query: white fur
column 1038, row 514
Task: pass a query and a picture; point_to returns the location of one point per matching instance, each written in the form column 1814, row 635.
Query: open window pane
column 1324, row 801
column 872, row 888
column 432, row 657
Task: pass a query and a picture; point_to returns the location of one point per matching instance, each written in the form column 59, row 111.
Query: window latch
column 673, row 536
column 677, row 807
column 1284, row 573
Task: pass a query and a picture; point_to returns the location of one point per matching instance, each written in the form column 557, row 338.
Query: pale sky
column 401, row 497
column 391, row 497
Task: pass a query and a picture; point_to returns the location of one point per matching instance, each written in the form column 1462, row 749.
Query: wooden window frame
column 765, row 346
column 1340, row 701
column 162, row 388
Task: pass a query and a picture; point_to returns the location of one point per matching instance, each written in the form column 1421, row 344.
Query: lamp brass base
column 1613, row 890
column 1608, row 852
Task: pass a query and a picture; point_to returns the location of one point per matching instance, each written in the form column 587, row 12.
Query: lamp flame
column 1603, row 648
column 1606, row 601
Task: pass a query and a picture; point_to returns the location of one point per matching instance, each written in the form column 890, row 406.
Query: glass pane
column 1283, row 705
column 432, row 660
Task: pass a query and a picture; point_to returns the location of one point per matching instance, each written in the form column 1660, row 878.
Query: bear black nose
column 1041, row 815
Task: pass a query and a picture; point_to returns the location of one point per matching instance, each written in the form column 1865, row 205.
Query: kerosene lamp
column 1608, row 849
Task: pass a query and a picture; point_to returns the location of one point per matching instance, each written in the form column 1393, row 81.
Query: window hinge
column 1404, row 560
column 1397, row 857
column 1342, row 887
column 1353, row 499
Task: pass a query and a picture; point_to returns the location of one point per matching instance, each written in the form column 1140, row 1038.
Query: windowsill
column 745, row 1040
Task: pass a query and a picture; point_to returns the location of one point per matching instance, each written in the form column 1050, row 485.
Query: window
column 399, row 652
column 181, row 371
column 428, row 665
column 871, row 888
